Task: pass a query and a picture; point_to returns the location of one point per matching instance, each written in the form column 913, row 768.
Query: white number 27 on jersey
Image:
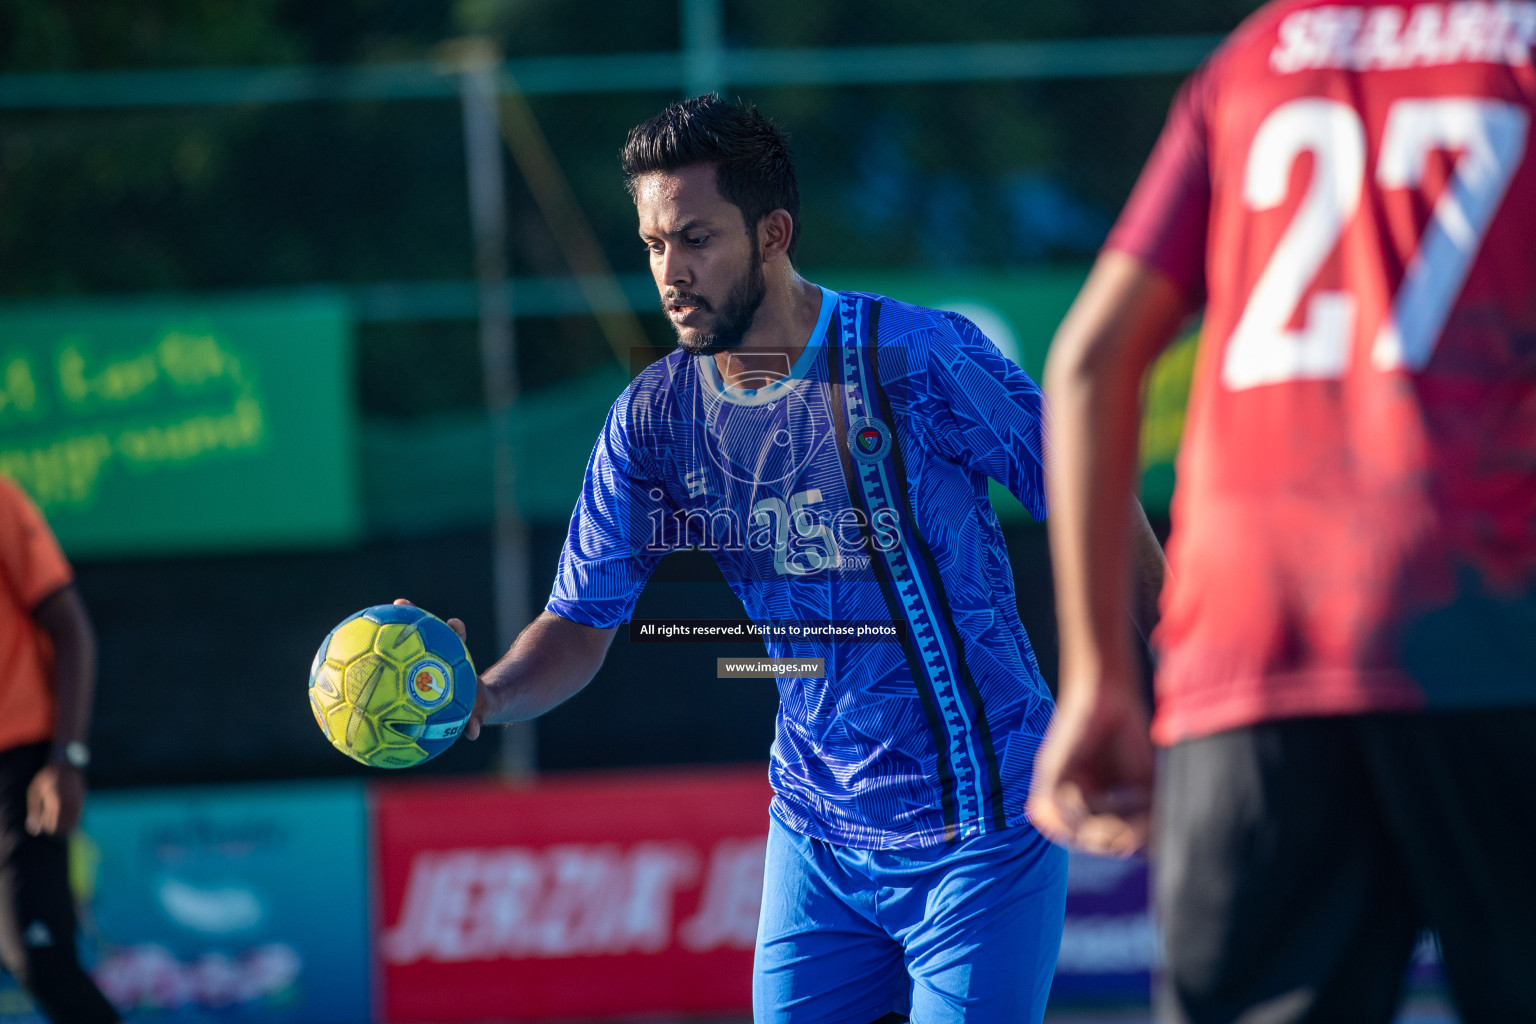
column 1488, row 138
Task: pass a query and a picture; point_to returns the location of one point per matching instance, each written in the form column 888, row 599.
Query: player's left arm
column 56, row 794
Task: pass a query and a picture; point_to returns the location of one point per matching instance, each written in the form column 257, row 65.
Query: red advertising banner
column 578, row 898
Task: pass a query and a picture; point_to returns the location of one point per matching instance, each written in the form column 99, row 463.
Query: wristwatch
column 74, row 753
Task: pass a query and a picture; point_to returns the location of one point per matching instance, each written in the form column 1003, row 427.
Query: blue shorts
column 967, row 931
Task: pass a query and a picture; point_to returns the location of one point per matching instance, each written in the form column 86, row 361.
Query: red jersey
column 1351, row 190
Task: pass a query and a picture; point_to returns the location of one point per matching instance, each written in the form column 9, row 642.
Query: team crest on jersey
column 869, row 440
column 428, row 684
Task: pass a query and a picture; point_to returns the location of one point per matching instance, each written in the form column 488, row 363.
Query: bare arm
column 550, row 662
column 63, row 617
column 57, row 793
column 1093, row 774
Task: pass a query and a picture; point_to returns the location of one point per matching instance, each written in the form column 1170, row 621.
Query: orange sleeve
column 31, row 561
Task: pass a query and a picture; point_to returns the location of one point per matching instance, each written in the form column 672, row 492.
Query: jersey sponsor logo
column 1393, row 38
column 430, row 687
column 869, row 440
column 576, row 899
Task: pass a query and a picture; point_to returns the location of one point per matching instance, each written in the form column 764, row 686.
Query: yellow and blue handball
column 392, row 686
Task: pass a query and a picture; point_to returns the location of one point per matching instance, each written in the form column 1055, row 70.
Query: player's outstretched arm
column 550, row 662
column 1092, row 781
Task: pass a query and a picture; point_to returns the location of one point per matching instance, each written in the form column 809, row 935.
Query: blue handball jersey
column 852, row 490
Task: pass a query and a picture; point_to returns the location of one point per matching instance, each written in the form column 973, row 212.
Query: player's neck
column 779, row 333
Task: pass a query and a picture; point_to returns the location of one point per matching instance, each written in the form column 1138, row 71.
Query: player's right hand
column 472, row 725
column 1092, row 787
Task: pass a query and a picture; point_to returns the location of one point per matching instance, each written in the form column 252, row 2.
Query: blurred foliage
column 99, row 35
column 906, row 22
column 943, row 175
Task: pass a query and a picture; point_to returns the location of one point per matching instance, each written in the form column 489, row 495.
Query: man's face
column 705, row 262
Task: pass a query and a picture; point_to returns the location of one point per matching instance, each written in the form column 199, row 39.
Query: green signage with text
column 152, row 428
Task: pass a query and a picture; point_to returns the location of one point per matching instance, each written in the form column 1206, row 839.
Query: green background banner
column 160, row 427
column 181, row 426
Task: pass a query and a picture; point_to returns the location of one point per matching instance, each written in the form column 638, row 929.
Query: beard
column 734, row 318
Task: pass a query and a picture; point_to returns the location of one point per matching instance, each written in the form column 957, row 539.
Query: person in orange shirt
column 47, row 675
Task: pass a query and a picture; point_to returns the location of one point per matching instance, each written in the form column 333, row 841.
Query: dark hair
column 753, row 167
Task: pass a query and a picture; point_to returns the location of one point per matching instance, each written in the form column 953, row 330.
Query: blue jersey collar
column 769, row 392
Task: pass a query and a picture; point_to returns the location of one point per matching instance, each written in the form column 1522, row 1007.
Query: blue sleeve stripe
column 954, row 638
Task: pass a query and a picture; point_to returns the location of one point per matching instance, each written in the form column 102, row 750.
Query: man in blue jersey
column 832, row 451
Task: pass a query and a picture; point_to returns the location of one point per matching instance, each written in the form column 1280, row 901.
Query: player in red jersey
column 1347, row 676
